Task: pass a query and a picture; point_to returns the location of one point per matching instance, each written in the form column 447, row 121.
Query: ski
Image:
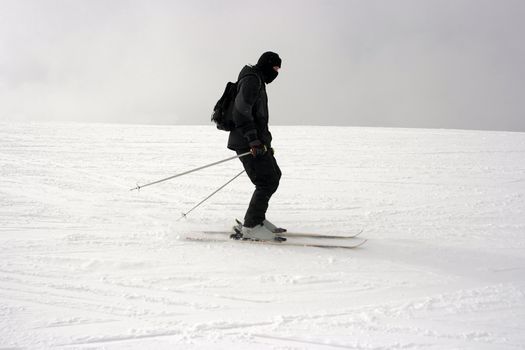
column 352, row 245
column 285, row 233
column 295, row 234
column 316, row 235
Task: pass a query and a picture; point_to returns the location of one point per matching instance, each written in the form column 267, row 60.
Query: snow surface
column 87, row 264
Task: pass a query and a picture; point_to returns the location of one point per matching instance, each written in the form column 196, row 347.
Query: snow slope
column 87, row 264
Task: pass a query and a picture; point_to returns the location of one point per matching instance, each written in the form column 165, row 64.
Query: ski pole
column 205, row 199
column 191, row 171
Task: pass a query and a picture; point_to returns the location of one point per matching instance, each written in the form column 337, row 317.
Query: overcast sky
column 400, row 63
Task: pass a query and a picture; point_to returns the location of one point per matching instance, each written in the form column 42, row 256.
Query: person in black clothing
column 251, row 133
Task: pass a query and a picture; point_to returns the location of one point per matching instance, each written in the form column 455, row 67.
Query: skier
column 250, row 116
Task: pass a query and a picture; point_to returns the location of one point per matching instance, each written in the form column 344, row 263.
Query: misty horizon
column 407, row 64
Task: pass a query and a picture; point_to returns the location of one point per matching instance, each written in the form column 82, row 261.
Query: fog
column 404, row 63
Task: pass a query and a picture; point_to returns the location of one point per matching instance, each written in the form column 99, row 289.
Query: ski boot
column 238, row 226
column 272, row 227
column 256, row 233
column 266, row 223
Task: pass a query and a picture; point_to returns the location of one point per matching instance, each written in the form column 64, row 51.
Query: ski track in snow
column 87, row 264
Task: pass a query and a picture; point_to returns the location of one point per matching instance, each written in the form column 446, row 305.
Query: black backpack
column 222, row 114
column 223, row 111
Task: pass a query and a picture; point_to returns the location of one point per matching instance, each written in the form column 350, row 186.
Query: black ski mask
column 266, row 62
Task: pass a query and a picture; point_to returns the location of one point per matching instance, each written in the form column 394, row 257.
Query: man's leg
column 265, row 175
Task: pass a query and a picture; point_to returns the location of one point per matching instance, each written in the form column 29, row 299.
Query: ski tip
column 361, row 243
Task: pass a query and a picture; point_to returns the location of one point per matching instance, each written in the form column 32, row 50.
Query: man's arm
column 249, row 88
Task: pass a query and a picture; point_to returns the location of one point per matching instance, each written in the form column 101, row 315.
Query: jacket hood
column 247, row 70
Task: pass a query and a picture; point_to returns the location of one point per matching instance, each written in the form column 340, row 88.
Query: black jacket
column 250, row 114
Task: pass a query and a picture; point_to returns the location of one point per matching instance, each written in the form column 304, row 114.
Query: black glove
column 257, row 149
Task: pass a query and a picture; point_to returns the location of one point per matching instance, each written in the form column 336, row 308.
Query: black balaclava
column 266, row 62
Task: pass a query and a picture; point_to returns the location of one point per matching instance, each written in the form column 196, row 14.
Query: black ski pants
column 265, row 174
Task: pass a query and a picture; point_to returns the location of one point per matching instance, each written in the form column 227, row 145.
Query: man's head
column 269, row 63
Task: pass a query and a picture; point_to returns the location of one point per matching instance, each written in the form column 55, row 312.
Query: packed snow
column 88, row 264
